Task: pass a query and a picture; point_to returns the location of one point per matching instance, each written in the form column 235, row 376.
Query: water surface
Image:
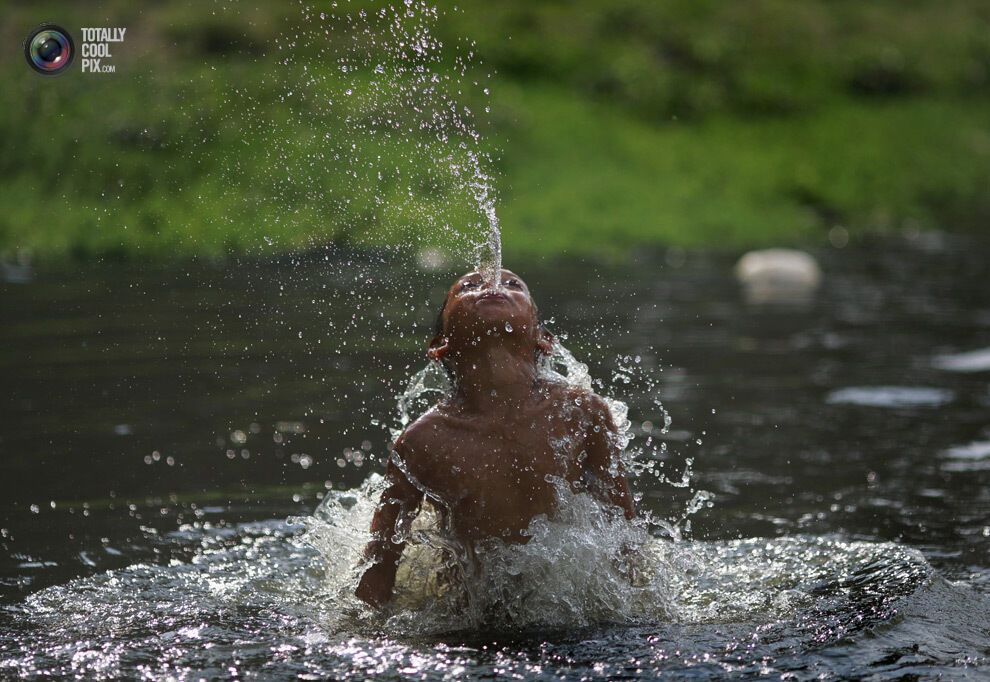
column 160, row 425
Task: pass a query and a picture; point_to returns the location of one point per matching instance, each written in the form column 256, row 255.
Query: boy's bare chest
column 540, row 443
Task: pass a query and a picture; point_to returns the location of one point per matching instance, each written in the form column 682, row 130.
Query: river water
column 167, row 435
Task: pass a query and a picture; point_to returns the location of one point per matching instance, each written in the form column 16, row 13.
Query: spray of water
column 585, row 564
column 392, row 156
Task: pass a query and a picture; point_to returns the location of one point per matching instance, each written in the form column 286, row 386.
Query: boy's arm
column 603, row 466
column 400, row 498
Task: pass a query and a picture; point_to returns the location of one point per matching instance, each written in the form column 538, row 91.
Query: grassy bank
column 688, row 123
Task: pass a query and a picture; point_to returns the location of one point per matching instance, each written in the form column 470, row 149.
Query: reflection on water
column 161, row 425
column 252, row 597
column 971, row 361
column 890, row 396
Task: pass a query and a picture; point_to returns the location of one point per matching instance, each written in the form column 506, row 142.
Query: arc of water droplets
column 402, row 105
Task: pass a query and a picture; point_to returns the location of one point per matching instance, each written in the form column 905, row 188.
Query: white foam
column 972, row 361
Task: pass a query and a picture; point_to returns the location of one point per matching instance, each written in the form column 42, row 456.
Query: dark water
column 159, row 426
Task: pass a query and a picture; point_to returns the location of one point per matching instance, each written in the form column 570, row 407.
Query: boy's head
column 475, row 311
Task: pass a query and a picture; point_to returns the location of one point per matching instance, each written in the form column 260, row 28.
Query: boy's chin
column 486, row 324
column 497, row 316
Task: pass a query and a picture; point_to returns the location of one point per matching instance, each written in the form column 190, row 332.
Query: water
column 412, row 167
column 161, row 425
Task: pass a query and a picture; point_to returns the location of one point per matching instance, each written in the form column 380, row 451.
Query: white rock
column 772, row 275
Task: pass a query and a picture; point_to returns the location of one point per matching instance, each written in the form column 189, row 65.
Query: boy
column 485, row 454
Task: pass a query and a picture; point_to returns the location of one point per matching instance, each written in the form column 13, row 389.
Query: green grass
column 616, row 125
column 585, row 175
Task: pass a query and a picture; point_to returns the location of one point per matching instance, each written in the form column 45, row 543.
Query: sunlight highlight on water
column 255, row 596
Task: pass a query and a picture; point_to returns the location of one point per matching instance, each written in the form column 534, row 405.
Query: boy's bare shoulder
column 590, row 403
column 421, row 437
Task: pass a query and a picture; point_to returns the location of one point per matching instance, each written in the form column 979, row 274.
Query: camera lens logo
column 49, row 49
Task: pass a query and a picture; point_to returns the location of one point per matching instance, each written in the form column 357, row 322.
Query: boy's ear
column 438, row 348
column 544, row 343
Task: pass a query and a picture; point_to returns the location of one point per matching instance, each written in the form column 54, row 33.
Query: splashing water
column 394, row 158
column 584, row 565
column 489, row 256
column 573, row 572
column 255, row 597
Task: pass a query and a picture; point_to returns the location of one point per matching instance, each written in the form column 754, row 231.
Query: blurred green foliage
column 617, row 124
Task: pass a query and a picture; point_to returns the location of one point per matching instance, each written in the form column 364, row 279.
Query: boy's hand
column 375, row 588
column 399, row 499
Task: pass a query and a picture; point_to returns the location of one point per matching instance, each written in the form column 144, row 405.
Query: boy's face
column 473, row 305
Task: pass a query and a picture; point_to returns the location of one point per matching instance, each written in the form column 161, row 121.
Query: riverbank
column 614, row 128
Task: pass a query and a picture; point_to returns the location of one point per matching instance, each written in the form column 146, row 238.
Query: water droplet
column 508, row 327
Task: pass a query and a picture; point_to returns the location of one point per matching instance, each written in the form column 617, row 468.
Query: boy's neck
column 493, row 376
